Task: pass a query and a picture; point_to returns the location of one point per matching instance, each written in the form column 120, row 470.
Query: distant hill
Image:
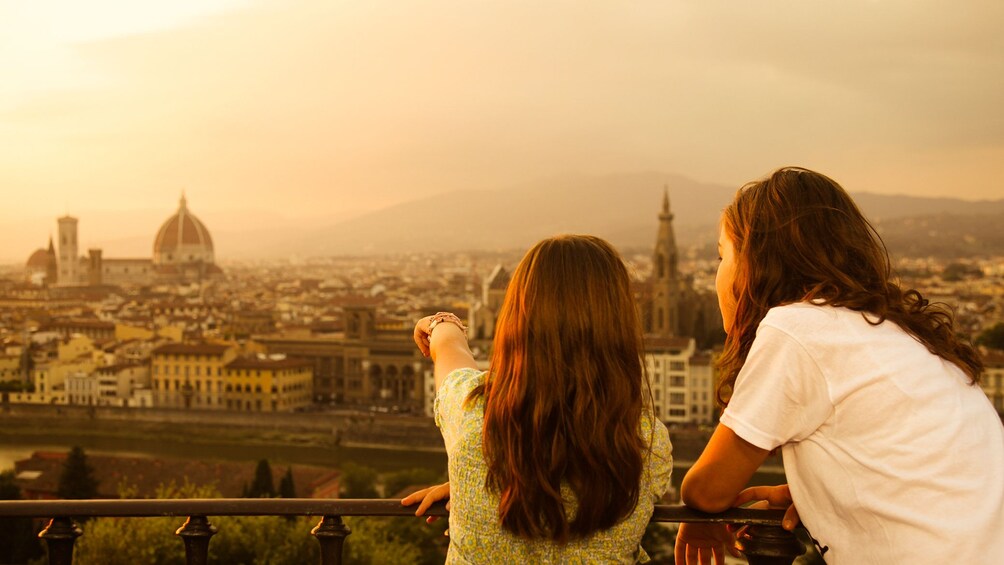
column 623, row 209
column 945, row 236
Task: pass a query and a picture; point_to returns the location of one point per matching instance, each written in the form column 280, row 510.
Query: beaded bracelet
column 448, row 317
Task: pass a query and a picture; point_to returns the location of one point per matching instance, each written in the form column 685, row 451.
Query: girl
column 891, row 451
column 554, row 456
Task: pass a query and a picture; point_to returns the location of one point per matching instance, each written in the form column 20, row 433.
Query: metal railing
column 765, row 542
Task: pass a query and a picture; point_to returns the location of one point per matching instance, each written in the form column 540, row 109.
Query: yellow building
column 50, row 379
column 189, row 375
column 75, row 347
column 268, row 384
column 10, row 367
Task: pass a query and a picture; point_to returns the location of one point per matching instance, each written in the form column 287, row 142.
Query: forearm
column 721, row 472
column 449, row 351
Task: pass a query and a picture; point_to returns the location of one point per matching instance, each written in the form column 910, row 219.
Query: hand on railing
column 426, row 497
column 698, row 544
column 778, row 497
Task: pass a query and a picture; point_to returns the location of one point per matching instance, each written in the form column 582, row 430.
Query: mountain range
column 622, row 208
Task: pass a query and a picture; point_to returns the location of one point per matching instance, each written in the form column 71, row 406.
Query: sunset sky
column 313, row 111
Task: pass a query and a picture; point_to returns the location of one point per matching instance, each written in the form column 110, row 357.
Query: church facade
column 671, row 307
column 182, row 253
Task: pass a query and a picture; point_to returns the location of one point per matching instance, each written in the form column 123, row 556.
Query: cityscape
column 180, row 331
column 223, row 219
column 323, row 347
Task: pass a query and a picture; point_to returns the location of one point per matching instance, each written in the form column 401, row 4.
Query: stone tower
column 69, row 261
column 665, row 277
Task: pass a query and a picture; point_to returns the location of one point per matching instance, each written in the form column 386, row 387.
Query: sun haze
column 321, row 110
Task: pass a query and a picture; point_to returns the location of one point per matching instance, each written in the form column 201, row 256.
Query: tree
column 286, row 487
column 240, row 539
column 394, row 483
column 263, row 486
column 358, row 481
column 19, row 542
column 376, row 540
column 993, row 337
column 77, row 480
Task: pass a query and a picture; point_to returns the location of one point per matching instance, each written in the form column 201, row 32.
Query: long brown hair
column 565, row 392
column 798, row 236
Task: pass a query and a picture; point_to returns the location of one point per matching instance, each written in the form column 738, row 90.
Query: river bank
column 385, row 443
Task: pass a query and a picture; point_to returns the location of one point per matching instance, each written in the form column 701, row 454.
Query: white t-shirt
column 891, row 456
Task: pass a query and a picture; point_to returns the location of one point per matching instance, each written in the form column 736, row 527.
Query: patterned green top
column 476, row 536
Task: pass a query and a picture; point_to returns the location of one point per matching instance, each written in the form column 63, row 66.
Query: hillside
column 624, row 209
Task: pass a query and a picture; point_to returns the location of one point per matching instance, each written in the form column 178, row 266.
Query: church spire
column 665, row 314
column 184, row 201
column 666, row 214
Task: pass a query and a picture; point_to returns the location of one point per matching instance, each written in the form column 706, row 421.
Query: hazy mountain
column 622, row 208
column 947, row 236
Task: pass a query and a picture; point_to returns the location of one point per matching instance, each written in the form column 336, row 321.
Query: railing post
column 59, row 536
column 195, row 532
column 330, row 533
column 769, row 545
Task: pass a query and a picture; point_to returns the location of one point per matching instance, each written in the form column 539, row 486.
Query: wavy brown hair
column 798, row 236
column 565, row 393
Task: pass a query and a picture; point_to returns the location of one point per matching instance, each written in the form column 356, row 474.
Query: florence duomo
column 182, row 253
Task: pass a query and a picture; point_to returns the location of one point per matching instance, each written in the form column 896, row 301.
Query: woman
column 554, row 455
column 892, row 452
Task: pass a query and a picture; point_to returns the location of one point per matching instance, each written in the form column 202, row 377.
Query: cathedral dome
column 39, row 260
column 182, row 239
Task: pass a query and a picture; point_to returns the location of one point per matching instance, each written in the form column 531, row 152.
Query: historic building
column 368, row 365
column 182, row 252
column 484, row 313
column 189, row 375
column 268, row 383
column 670, row 305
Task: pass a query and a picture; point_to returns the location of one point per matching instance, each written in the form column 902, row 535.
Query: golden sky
column 311, row 109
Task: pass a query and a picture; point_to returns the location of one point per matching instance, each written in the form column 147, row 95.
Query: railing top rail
column 138, row 508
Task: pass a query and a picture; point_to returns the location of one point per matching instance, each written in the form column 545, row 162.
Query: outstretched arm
column 446, row 345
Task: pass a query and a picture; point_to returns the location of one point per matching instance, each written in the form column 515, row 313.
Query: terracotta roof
column 38, row 260
column 182, row 228
column 499, row 278
column 190, row 349
column 267, row 364
column 93, row 324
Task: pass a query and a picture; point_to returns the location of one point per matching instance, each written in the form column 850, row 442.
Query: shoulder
column 802, row 319
column 451, row 398
column 465, row 379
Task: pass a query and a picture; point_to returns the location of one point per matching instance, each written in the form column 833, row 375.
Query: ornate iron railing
column 764, row 543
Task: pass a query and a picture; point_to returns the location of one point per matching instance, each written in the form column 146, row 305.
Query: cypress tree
column 286, row 487
column 77, row 480
column 263, row 486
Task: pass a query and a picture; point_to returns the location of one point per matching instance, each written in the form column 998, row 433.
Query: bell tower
column 665, row 277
